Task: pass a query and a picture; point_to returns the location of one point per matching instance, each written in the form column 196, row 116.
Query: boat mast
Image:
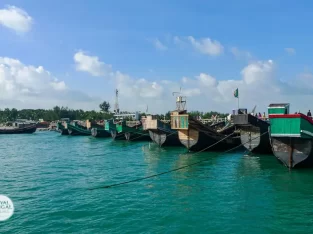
column 116, row 106
column 180, row 101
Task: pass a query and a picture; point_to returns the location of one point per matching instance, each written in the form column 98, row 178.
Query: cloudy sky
column 75, row 53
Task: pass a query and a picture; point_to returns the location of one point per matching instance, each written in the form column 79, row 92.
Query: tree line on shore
column 57, row 113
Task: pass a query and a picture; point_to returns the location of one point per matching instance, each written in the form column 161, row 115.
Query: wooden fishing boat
column 160, row 132
column 110, row 127
column 196, row 136
column 77, row 128
column 291, row 136
column 18, row 127
column 253, row 132
column 62, row 127
column 98, row 132
column 83, row 128
column 132, row 130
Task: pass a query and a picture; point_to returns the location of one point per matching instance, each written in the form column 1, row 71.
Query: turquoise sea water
column 48, row 177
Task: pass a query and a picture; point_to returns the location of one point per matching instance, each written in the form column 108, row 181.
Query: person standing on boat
column 309, row 114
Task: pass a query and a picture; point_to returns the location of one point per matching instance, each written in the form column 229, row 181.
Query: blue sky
column 124, row 33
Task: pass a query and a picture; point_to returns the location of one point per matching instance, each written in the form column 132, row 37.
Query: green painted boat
column 291, row 136
column 74, row 129
column 62, row 128
column 133, row 131
column 110, row 127
column 98, row 132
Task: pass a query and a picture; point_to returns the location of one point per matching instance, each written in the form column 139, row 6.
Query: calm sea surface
column 48, row 177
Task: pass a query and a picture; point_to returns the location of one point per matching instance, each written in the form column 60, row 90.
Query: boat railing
column 204, row 121
column 132, row 123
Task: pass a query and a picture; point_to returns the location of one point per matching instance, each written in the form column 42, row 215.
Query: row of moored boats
column 288, row 136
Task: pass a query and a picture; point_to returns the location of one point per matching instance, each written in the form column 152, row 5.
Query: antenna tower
column 116, row 107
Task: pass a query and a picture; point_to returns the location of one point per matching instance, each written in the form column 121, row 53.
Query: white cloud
column 206, row 46
column 258, row 72
column 91, row 64
column 257, row 83
column 207, row 80
column 290, row 51
column 240, row 54
column 26, row 86
column 159, row 45
column 16, row 19
column 140, row 88
column 191, row 92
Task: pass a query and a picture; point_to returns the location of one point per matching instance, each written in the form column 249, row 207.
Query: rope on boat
column 141, row 135
column 131, row 147
column 179, row 168
column 149, row 134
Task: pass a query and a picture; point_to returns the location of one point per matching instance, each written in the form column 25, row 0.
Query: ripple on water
column 48, row 177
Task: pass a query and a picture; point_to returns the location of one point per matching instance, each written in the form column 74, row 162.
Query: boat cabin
column 278, row 108
column 242, row 111
column 149, row 122
column 20, row 123
column 132, row 116
column 179, row 120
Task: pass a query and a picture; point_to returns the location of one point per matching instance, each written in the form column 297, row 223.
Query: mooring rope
column 179, row 168
column 167, row 136
column 143, row 134
column 118, row 151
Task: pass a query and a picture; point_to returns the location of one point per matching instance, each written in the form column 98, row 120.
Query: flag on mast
column 236, row 93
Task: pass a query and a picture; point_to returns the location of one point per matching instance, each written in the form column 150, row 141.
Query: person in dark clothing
column 309, row 114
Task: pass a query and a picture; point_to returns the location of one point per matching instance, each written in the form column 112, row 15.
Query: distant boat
column 62, row 127
column 110, row 127
column 160, row 132
column 121, row 129
column 132, row 130
column 81, row 128
column 100, row 131
column 77, row 129
column 18, row 127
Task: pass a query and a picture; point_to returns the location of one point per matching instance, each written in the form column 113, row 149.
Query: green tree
column 105, row 106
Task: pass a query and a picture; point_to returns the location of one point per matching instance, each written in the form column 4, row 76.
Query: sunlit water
column 48, row 177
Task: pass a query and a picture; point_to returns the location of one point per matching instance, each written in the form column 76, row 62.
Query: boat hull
column 117, row 136
column 255, row 140
column 137, row 136
column 77, row 131
column 25, row 130
column 95, row 132
column 62, row 129
column 132, row 132
column 293, row 152
column 195, row 140
column 64, row 132
column 162, row 138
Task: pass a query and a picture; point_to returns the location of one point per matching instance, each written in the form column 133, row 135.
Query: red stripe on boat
column 277, row 116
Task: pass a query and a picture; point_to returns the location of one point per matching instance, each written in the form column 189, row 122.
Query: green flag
column 236, row 93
